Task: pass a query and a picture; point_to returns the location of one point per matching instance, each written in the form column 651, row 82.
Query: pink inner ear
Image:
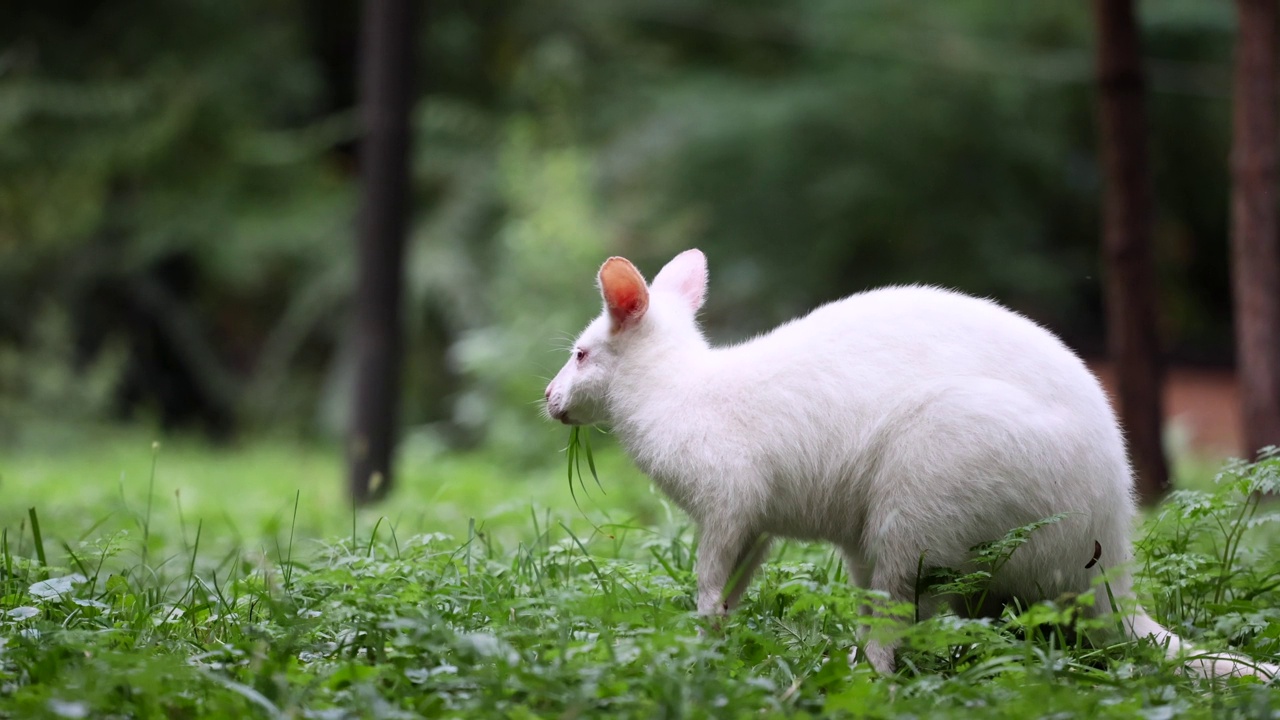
column 624, row 290
column 686, row 274
column 691, row 288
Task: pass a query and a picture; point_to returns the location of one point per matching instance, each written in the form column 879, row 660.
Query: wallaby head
column 640, row 324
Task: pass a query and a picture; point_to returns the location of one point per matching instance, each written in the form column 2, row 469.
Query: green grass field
column 184, row 581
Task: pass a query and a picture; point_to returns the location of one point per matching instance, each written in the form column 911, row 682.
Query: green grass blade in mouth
column 577, row 462
column 591, row 460
column 579, row 445
column 571, row 454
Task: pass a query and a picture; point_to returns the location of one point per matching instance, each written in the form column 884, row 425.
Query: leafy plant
column 1200, row 567
column 972, row 584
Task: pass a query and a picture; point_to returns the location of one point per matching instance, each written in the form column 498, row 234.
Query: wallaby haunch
column 899, row 423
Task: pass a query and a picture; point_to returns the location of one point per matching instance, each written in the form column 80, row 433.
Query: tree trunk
column 1132, row 335
column 1255, row 246
column 386, row 98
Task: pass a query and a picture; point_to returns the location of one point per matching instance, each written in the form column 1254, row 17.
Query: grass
column 235, row 583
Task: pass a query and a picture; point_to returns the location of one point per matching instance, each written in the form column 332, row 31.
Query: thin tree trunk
column 1132, row 336
column 1255, row 246
column 386, row 98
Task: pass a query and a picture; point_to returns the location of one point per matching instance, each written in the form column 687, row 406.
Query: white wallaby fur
column 895, row 423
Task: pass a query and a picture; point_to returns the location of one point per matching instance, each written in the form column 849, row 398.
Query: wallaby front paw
column 711, row 623
column 711, row 605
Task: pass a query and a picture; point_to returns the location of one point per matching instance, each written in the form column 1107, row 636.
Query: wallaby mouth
column 560, row 414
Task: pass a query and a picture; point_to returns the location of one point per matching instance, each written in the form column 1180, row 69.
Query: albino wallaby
column 899, row 423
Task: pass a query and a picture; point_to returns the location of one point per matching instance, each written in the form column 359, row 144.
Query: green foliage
column 148, row 133
column 812, row 147
column 38, row 375
column 1201, row 569
column 972, row 584
column 158, row 611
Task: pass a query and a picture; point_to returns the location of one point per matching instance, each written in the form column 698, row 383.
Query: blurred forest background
column 179, row 189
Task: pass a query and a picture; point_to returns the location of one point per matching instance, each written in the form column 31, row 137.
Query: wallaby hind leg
column 898, row 582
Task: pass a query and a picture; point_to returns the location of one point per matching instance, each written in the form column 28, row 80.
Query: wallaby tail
column 1209, row 665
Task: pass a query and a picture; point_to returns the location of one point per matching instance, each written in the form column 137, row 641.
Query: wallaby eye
column 580, row 355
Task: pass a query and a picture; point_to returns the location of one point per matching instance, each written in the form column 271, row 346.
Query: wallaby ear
column 686, row 275
column 626, row 296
